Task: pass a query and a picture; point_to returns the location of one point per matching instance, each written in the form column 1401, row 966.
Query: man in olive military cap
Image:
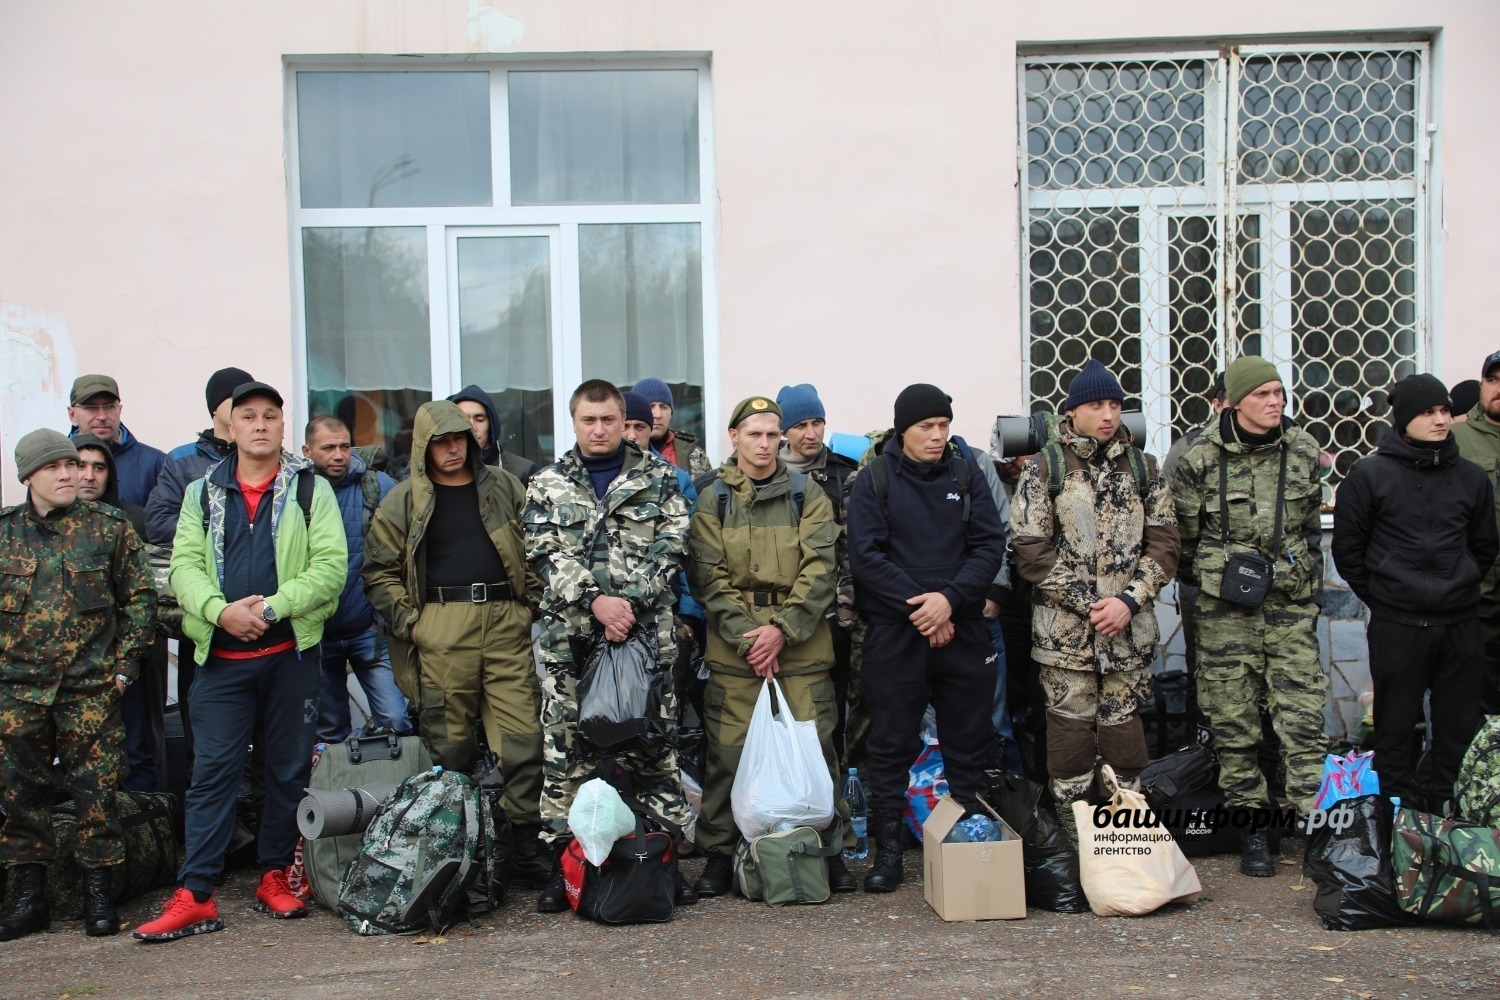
column 78, row 616
column 762, row 564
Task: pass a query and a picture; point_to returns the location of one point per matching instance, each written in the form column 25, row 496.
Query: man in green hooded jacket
column 1478, row 440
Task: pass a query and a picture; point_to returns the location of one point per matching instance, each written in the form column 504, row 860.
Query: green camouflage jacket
column 756, row 549
column 1097, row 538
column 76, row 601
column 630, row 544
column 1252, row 475
column 691, row 458
column 1479, row 441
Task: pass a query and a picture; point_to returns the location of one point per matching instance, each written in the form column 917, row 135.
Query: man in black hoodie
column 485, row 419
column 142, row 703
column 925, row 543
column 1413, row 535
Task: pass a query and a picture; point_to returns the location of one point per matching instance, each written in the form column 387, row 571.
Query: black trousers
column 900, row 674
column 1406, row 662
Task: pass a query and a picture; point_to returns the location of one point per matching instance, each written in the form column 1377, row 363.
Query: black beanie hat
column 222, row 383
column 1414, row 394
column 920, row 402
column 1465, row 396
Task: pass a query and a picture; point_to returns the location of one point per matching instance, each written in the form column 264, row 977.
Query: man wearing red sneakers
column 258, row 563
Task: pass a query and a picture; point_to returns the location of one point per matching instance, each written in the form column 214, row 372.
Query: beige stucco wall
column 866, row 173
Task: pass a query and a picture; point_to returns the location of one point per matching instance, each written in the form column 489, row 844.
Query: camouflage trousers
column 87, row 737
column 851, row 736
column 729, row 703
column 658, row 785
column 1269, row 653
column 474, row 665
column 1092, row 718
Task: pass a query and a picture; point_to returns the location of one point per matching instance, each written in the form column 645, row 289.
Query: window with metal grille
column 1185, row 209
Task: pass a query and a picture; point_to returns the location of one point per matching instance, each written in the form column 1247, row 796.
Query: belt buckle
column 479, row 593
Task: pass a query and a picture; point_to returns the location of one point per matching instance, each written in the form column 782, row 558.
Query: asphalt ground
column 1244, row 938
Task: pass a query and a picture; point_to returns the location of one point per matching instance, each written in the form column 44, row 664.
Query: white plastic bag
column 1129, row 866
column 782, row 777
column 598, row 818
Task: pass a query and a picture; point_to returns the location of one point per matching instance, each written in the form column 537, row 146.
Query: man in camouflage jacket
column 76, row 615
column 606, row 528
column 1096, row 555
column 1270, row 652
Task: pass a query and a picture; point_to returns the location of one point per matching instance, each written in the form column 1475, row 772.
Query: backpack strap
column 1142, row 470
column 1056, row 468
column 959, row 469
column 799, row 495
column 203, row 502
column 721, row 498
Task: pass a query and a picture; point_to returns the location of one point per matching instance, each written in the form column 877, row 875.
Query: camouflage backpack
column 1446, row 870
column 1478, row 791
column 424, row 849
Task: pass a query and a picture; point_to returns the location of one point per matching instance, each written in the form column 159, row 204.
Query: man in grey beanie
column 78, row 616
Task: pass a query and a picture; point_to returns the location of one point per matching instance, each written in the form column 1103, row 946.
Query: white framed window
column 521, row 226
column 1183, row 208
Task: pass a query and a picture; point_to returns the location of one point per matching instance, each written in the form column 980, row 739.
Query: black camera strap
column 1224, row 500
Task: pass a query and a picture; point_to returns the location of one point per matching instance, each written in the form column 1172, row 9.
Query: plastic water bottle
column 859, row 813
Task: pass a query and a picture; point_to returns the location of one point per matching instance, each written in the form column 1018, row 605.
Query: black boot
column 554, row 898
column 531, row 862
column 685, row 894
column 99, row 916
column 716, row 878
column 1255, row 855
column 885, row 875
column 840, row 879
column 30, row 914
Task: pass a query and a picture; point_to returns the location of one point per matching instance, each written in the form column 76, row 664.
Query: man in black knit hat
column 1414, row 534
column 925, row 543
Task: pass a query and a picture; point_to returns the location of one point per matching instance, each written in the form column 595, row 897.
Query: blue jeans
column 1000, row 713
column 368, row 654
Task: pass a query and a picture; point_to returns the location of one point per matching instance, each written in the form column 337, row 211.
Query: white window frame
column 562, row 222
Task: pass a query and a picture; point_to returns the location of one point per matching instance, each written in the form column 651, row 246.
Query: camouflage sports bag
column 426, row 846
column 1478, row 798
column 1446, row 870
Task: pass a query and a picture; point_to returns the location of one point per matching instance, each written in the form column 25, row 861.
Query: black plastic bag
column 1052, row 881
column 1352, row 868
column 619, row 696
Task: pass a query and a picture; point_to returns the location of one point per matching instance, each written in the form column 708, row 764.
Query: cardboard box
column 984, row 881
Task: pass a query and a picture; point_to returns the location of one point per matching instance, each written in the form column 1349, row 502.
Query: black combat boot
column 554, row 898
column 685, row 895
column 99, row 916
column 30, row 914
column 716, row 878
column 1255, row 855
column 885, row 875
column 840, row 878
column 531, row 863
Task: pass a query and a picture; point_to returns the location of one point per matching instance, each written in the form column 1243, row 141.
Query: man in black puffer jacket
column 1414, row 534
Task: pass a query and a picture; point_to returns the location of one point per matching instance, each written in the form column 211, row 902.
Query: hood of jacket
column 1226, row 433
column 435, row 419
column 111, row 493
column 474, row 394
column 1418, row 456
column 357, row 468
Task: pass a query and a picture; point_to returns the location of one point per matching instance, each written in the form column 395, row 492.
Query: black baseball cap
column 248, row 389
column 1489, row 364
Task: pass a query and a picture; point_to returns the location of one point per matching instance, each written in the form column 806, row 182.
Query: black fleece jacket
column 1414, row 532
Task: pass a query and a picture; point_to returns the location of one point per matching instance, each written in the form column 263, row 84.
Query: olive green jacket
column 1479, row 442
column 756, row 549
column 1252, row 472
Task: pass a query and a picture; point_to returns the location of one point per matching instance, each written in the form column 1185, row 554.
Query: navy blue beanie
column 637, row 407
column 1093, row 382
column 655, row 391
column 799, row 403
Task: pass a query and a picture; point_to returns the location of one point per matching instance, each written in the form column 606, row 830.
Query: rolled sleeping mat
column 340, row 811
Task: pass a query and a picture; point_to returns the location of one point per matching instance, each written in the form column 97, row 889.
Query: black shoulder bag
column 1248, row 575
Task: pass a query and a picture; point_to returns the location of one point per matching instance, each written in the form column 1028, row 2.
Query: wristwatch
column 126, row 680
column 267, row 612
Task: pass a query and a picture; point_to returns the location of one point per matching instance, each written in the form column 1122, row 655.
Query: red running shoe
column 275, row 896
column 181, row 917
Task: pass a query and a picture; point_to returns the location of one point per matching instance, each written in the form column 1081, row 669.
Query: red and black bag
column 637, row 884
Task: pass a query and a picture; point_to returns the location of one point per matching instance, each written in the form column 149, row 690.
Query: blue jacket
column 137, row 466
column 686, row 606
column 183, row 465
column 924, row 546
column 355, row 613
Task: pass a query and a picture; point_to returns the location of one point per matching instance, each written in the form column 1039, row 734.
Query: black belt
column 474, row 593
column 765, row 598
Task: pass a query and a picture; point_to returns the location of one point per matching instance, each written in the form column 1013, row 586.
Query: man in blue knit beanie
column 678, row 447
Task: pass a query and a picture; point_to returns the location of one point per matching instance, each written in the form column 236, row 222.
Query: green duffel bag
column 788, row 866
column 151, row 854
column 355, row 763
column 1446, row 870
